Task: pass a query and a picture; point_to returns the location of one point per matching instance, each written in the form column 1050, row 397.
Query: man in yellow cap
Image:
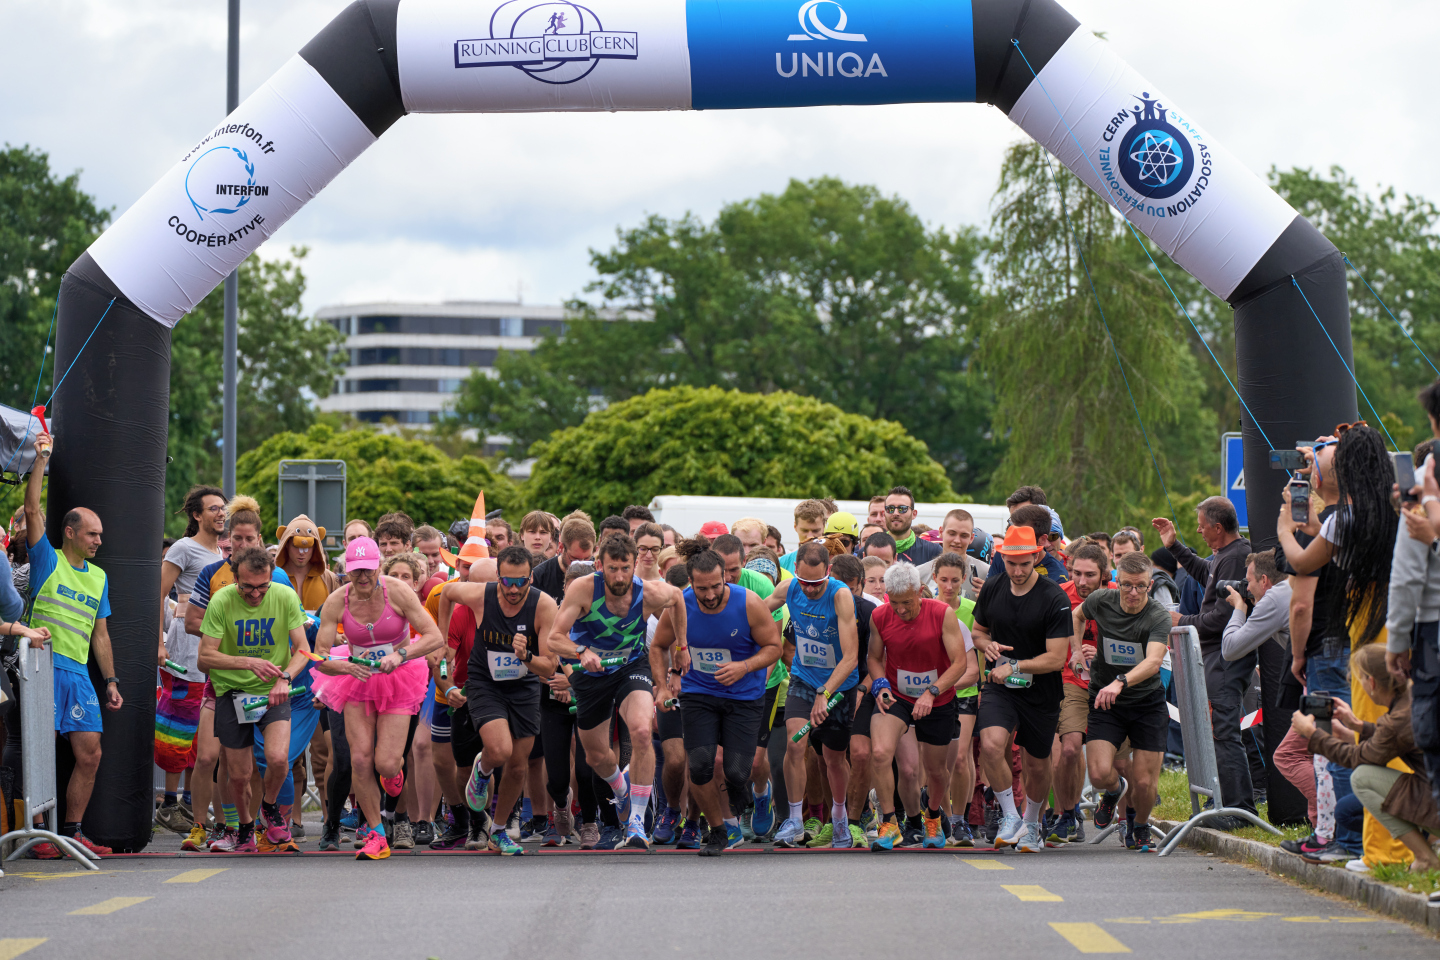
column 846, row 526
column 1022, row 627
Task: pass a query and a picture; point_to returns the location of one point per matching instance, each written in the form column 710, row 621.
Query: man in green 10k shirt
column 1126, row 696
column 252, row 643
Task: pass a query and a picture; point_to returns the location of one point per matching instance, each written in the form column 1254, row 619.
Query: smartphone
column 1300, row 501
column 1287, row 460
column 1405, row 476
column 1319, row 707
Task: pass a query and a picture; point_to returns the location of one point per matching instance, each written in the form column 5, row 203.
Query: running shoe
column 297, row 830
column 1357, row 866
column 868, row 823
column 960, row 833
column 1031, row 840
column 565, row 825
column 477, row 789
column 393, row 785
column 589, row 836
column 911, row 834
column 734, row 836
column 689, row 837
column 88, row 844
column 424, row 833
column 1140, row 838
column 844, row 839
column 43, row 851
column 533, row 831
column 762, row 818
column 186, row 810
column 196, row 841
column 248, row 845
column 635, row 838
column 171, row 818
column 375, row 847
column 791, row 834
column 225, row 842
column 888, row 837
column 1123, row 833
column 475, row 836
column 1064, row 829
column 276, row 833
column 747, row 829
column 857, row 837
column 716, row 842
column 665, row 826
column 822, row 837
column 552, row 835
column 452, row 839
column 623, row 797
column 610, row 838
column 362, row 832
column 812, row 828
column 1293, row 846
column 1010, row 831
column 934, row 839
column 1105, row 809
column 1315, row 851
column 501, row 843
column 992, row 822
column 404, row 835
column 351, row 819
column 1079, row 836
column 329, row 838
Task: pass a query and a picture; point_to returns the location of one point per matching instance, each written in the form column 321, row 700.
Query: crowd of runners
column 618, row 687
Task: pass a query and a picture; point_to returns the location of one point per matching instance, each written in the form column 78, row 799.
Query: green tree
column 1060, row 393
column 45, row 223
column 709, row 441
column 525, row 401
column 1393, row 241
column 828, row 290
column 383, row 473
column 285, row 358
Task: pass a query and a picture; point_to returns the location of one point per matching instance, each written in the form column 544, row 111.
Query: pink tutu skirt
column 400, row 692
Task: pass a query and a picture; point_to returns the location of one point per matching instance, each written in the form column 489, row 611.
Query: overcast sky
column 480, row 207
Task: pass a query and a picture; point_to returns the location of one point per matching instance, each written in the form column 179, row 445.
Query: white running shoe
column 1029, row 840
column 1012, row 828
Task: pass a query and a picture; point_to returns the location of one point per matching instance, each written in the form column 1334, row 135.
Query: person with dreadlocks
column 1355, row 537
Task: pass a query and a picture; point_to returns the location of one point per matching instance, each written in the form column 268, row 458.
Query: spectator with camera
column 1402, row 802
column 1225, row 680
column 1260, row 608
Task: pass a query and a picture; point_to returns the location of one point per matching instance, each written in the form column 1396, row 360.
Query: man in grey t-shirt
column 1127, row 700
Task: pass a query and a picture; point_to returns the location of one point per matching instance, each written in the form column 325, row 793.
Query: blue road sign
column 1232, row 468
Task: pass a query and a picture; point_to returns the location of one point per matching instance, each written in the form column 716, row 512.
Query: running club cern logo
column 218, row 171
column 554, row 42
column 1155, row 158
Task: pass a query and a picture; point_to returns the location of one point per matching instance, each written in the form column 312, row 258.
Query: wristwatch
column 286, row 675
column 404, row 653
column 529, row 655
column 933, row 690
column 110, row 680
column 580, row 649
column 1124, row 679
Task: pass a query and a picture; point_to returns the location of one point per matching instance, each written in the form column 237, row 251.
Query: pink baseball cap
column 362, row 553
column 713, row 529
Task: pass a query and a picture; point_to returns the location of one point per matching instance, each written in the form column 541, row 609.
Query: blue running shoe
column 734, row 836
column 610, row 838
column 934, row 837
column 762, row 821
column 843, row 837
column 477, row 789
column 665, row 826
column 351, row 820
column 689, row 837
column 791, row 833
column 635, row 838
column 501, row 843
column 1064, row 829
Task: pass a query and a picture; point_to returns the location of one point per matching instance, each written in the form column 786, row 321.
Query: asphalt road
column 635, row 906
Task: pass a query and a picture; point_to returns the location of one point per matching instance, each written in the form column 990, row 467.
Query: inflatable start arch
column 381, row 59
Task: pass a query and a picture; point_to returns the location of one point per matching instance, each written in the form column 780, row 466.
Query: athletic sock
column 795, row 811
column 462, row 817
column 186, row 797
column 70, row 829
column 271, row 811
column 232, row 816
column 616, row 781
column 814, row 811
column 761, row 793
column 246, row 831
column 932, row 814
column 484, row 770
column 888, row 817
column 1006, row 799
column 169, row 799
column 1032, row 810
column 838, row 815
column 732, row 821
column 913, row 821
column 639, row 800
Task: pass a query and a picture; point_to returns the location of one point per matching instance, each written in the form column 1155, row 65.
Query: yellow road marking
column 986, row 864
column 1314, row 919
column 195, row 876
column 1089, row 938
column 1230, row 915
column 1031, row 893
column 64, row 876
column 14, row 946
column 108, row 906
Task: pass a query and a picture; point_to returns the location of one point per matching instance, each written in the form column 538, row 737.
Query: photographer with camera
column 1400, row 801
column 1267, row 591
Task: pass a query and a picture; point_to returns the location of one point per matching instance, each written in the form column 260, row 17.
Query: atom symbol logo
column 1158, row 156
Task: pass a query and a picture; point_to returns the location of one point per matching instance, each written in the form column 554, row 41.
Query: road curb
column 1380, row 897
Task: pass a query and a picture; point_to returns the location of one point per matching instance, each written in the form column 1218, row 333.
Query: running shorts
column 835, row 731
column 1033, row 724
column 1074, row 710
column 518, row 705
column 937, row 728
column 599, row 695
column 1145, row 723
column 241, row 736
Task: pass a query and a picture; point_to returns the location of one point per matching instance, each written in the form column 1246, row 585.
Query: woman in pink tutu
column 381, row 695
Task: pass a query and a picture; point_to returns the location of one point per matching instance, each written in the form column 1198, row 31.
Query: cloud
column 451, row 207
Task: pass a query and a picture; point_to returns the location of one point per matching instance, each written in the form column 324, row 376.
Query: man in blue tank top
column 823, row 662
column 608, row 611
column 732, row 641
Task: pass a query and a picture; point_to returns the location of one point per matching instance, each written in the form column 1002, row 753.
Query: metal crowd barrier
column 1188, row 674
column 37, row 762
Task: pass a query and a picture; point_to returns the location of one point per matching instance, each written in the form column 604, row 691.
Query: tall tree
column 829, row 290
column 525, row 401
column 1061, row 397
column 45, row 223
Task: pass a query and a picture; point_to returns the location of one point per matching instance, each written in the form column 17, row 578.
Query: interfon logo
column 555, row 43
column 226, row 173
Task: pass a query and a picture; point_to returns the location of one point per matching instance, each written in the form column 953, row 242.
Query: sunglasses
column 1340, row 428
column 823, row 579
column 246, row 588
column 514, row 582
column 898, row 508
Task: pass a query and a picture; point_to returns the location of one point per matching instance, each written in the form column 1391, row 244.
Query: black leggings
column 738, row 739
column 557, row 733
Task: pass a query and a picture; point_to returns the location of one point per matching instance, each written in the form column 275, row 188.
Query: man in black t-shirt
column 1022, row 623
column 577, row 542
